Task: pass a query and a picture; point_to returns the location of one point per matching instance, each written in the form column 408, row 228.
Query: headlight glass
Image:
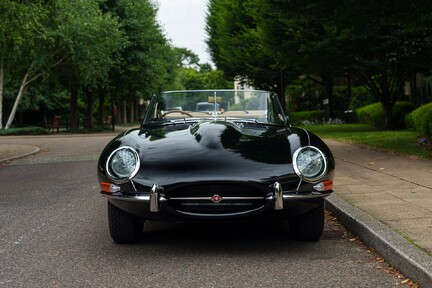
column 309, row 163
column 123, row 164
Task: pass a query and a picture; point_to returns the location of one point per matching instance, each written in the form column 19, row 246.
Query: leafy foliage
column 19, row 41
column 422, row 120
column 235, row 46
column 24, row 131
column 314, row 116
column 380, row 43
column 373, row 114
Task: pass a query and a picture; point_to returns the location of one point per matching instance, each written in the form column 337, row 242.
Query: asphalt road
column 54, row 233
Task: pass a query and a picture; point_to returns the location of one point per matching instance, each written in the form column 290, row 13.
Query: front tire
column 309, row 226
column 123, row 227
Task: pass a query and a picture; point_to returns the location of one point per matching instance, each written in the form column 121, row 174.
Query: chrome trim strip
column 223, row 198
column 154, row 199
column 133, row 186
column 287, row 196
column 134, row 198
column 300, row 182
column 278, row 196
column 308, row 195
column 218, row 215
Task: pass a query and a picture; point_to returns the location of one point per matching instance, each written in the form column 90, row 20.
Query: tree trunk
column 132, row 112
column 101, row 110
column 17, row 101
column 89, row 118
column 1, row 91
column 328, row 94
column 124, row 111
column 388, row 115
column 282, row 91
column 73, row 115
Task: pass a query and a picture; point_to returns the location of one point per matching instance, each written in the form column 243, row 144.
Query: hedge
column 313, row 116
column 24, row 131
column 373, row 114
column 421, row 119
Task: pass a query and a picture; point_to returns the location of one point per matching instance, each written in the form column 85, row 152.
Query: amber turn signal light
column 109, row 187
column 324, row 186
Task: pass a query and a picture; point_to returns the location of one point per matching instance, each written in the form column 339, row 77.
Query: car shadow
column 223, row 237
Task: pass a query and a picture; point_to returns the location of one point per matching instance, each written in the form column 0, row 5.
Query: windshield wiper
column 172, row 121
column 254, row 121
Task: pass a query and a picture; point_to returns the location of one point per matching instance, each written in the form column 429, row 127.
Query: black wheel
column 124, row 227
column 309, row 226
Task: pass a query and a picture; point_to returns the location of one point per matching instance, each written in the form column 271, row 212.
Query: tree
column 298, row 38
column 71, row 34
column 147, row 60
column 186, row 58
column 23, row 40
column 88, row 40
column 235, row 46
column 381, row 43
column 387, row 45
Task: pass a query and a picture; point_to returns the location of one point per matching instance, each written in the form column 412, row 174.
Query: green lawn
column 402, row 142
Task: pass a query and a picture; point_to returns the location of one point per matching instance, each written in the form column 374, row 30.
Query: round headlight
column 122, row 164
column 309, row 163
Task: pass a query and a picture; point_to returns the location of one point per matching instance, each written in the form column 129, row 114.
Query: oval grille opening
column 246, row 198
column 224, row 190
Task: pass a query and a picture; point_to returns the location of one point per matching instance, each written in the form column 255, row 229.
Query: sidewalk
column 14, row 151
column 383, row 198
column 386, row 200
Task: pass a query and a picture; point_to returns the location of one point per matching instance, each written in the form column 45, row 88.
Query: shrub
column 421, row 119
column 373, row 114
column 24, row 131
column 314, row 116
column 361, row 96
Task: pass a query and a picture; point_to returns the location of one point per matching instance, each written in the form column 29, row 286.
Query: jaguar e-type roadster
column 215, row 155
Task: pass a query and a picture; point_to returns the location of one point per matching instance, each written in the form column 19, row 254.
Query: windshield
column 254, row 105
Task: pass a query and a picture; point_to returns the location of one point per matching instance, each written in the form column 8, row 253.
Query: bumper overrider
column 153, row 203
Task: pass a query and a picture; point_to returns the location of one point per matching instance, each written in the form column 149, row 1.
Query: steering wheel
column 175, row 111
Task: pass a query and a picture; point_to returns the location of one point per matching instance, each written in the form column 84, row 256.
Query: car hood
column 214, row 151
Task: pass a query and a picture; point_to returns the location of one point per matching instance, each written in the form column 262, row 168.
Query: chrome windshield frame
column 268, row 112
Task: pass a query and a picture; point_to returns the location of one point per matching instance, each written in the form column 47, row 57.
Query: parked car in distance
column 242, row 160
column 206, row 106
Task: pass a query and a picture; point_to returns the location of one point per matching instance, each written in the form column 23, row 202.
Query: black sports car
column 215, row 155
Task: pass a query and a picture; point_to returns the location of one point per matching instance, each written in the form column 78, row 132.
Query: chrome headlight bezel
column 319, row 174
column 119, row 178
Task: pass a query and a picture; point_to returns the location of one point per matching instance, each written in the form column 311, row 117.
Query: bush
column 373, row 114
column 314, row 116
column 24, row 131
column 361, row 96
column 421, row 119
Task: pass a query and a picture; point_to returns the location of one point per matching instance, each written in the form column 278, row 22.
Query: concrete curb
column 29, row 150
column 411, row 261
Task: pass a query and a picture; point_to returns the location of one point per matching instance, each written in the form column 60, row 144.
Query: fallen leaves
column 404, row 280
column 381, row 262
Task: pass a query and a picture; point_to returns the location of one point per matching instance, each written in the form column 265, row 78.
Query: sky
column 184, row 24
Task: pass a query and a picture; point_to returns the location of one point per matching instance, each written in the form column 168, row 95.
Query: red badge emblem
column 216, row 198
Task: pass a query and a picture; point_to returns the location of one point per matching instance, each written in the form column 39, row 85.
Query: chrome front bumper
column 278, row 197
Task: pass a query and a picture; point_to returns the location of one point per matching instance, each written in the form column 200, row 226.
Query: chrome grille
column 222, row 189
column 236, row 198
